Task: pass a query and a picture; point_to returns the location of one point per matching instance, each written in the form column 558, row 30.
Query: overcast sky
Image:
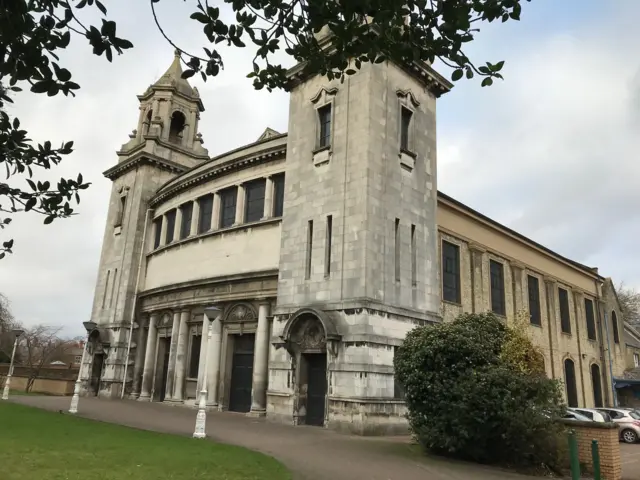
column 551, row 152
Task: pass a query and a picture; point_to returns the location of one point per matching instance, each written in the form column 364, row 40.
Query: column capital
column 477, row 248
column 550, row 281
column 517, row 266
column 263, row 301
column 184, row 309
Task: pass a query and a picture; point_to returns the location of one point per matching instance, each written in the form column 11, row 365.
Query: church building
column 282, row 276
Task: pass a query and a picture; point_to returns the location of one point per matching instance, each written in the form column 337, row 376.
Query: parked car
column 629, row 421
column 592, row 414
column 578, row 417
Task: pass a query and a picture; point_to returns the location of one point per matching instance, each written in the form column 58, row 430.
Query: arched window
column 597, row 385
column 570, row 383
column 178, row 121
column 614, row 322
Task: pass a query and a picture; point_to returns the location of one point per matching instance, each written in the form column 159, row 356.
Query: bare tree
column 41, row 345
column 7, row 323
column 629, row 299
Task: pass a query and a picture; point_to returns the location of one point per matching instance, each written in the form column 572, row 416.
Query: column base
column 257, row 412
column 144, row 398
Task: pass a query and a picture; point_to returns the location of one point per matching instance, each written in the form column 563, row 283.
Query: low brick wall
column 608, row 437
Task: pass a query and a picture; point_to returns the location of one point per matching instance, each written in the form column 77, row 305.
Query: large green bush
column 475, row 389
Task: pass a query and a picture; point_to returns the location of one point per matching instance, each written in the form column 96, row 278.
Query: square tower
column 358, row 259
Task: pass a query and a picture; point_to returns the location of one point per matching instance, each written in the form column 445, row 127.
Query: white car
column 592, row 414
column 629, row 421
column 578, row 417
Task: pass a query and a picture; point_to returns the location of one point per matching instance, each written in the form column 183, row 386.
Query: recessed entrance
column 96, row 373
column 241, row 373
column 316, row 387
column 162, row 368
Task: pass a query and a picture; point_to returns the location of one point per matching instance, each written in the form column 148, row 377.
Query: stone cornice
column 143, row 158
column 224, row 168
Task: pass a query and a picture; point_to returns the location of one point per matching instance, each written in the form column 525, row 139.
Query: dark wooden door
column 241, row 373
column 165, row 368
column 316, row 388
column 96, row 372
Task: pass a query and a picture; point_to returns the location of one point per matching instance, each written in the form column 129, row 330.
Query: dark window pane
column 497, row 287
column 534, row 300
column 185, row 225
column 171, row 225
column 228, row 199
column 570, row 382
column 405, row 122
column 324, row 116
column 158, row 232
column 597, row 385
column 206, row 209
column 194, row 360
column 450, row 272
column 278, row 195
column 591, row 321
column 614, row 322
column 565, row 319
column 398, row 391
column 254, row 200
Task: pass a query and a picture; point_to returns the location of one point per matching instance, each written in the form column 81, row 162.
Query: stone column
column 195, row 217
column 213, row 360
column 240, row 206
column 149, row 358
column 140, row 350
column 203, row 352
column 181, row 357
column 171, row 368
column 215, row 219
column 177, row 226
column 268, row 198
column 261, row 363
column 163, row 231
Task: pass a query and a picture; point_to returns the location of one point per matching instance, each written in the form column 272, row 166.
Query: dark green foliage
column 466, row 400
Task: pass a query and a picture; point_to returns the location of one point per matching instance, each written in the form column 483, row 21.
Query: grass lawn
column 35, row 444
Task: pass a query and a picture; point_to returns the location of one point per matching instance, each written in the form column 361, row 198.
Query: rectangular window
column 397, row 248
column 278, row 195
column 123, row 205
column 405, row 124
column 327, row 247
column 497, row 287
column 591, row 319
column 324, row 118
column 414, row 258
column 254, row 200
column 398, row 391
column 194, row 357
column 228, row 199
column 450, row 272
column 171, row 225
column 157, row 223
column 636, row 359
column 206, row 209
column 186, row 211
column 533, row 285
column 307, row 268
column 565, row 319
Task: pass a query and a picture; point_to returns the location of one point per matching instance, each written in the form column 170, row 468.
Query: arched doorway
column 570, row 383
column 596, row 382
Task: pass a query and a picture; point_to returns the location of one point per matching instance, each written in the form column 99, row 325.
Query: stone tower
column 358, row 259
column 164, row 144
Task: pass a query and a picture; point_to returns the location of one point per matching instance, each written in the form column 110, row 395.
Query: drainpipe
column 135, row 300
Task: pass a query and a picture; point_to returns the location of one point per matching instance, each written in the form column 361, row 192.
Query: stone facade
column 319, row 249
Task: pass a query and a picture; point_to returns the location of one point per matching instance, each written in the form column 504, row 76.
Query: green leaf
column 457, row 74
column 49, row 219
column 487, row 82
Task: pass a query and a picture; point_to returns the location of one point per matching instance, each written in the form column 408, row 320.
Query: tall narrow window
column 106, row 288
column 405, row 124
column 158, row 232
column 497, row 288
column 597, row 386
column 113, row 287
column 591, row 321
column 186, row 211
column 614, row 322
column 565, row 318
column 254, row 200
column 171, row 225
column 324, row 119
column 450, row 272
column 194, row 357
column 307, row 267
column 414, row 258
column 397, row 249
column 206, row 209
column 121, row 211
column 278, row 195
column 636, row 360
column 570, row 383
column 533, row 287
column 228, row 200
column 398, row 391
column 327, row 247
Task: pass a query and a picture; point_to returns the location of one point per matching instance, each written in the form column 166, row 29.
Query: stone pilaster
column 181, row 357
column 140, row 351
column 149, row 357
column 171, row 368
column 261, row 363
column 240, row 205
column 477, row 293
column 213, row 361
column 268, row 198
column 215, row 219
column 195, row 217
column 551, row 287
column 163, row 231
column 519, row 290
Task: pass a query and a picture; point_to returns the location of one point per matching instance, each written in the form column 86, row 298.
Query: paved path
column 630, row 461
column 311, row 453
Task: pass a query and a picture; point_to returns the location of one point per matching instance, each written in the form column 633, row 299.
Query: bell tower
column 165, row 144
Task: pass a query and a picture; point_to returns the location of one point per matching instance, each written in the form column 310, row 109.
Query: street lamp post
column 7, row 383
column 89, row 326
column 201, row 417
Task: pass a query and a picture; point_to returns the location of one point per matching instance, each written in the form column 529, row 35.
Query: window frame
column 157, row 234
column 456, row 274
column 203, row 219
column 406, row 144
column 496, row 302
column 249, row 188
column 278, row 195
column 535, row 317
column 590, row 320
column 562, row 310
column 187, row 206
column 615, row 327
column 225, row 196
column 319, row 126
